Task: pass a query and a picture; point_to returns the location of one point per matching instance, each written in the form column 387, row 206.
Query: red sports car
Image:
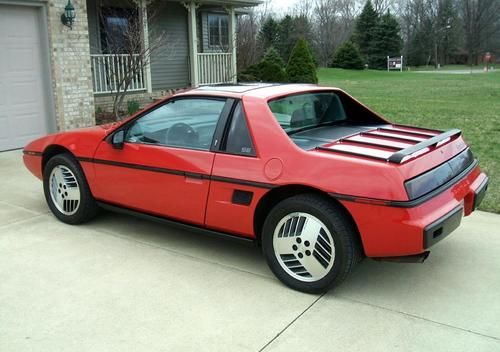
column 309, row 173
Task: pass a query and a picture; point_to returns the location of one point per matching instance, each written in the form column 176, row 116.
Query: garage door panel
column 19, row 22
column 23, row 127
column 23, row 85
column 25, row 94
column 21, row 60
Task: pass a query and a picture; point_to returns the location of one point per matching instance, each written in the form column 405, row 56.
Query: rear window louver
column 395, row 144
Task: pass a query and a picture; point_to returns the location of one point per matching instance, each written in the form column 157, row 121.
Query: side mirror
column 118, row 140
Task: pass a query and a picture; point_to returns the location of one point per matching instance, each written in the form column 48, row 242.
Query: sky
column 282, row 4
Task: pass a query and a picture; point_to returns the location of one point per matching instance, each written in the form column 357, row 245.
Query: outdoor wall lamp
column 69, row 15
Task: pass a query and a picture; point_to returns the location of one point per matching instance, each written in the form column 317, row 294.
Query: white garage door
column 23, row 92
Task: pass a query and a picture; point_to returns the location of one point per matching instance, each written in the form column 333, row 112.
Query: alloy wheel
column 304, row 247
column 64, row 190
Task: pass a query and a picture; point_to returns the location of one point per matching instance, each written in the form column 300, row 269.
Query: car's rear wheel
column 309, row 243
column 66, row 190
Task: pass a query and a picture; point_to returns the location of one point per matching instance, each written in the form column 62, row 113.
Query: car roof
column 258, row 90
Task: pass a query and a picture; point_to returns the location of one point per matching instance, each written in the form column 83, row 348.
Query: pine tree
column 301, row 67
column 272, row 72
column 348, row 57
column 269, row 33
column 448, row 35
column 270, row 69
column 386, row 41
column 273, row 56
column 364, row 30
column 286, row 37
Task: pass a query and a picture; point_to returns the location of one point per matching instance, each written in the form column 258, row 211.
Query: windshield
column 296, row 113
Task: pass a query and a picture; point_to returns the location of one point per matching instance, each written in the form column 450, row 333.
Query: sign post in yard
column 395, row 63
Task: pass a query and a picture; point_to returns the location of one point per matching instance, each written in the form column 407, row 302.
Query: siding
column 170, row 64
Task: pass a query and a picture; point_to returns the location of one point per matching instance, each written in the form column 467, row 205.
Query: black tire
column 87, row 207
column 346, row 250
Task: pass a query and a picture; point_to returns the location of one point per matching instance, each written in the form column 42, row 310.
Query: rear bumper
column 441, row 228
column 398, row 231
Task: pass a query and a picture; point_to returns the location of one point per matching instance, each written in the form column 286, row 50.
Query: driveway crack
column 421, row 318
column 291, row 323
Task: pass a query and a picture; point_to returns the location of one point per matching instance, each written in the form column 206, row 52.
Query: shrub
column 132, row 107
column 301, row 67
column 273, row 56
column 272, row 72
column 270, row 69
column 348, row 56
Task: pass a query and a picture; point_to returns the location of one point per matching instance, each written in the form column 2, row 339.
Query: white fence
column 108, row 70
column 215, row 68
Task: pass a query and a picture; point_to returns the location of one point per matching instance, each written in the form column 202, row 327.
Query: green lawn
column 468, row 102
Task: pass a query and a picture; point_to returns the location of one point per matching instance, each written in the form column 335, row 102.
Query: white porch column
column 232, row 43
column 145, row 34
column 193, row 42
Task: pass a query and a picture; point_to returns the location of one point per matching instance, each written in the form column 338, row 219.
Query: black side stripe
column 243, row 182
column 178, row 173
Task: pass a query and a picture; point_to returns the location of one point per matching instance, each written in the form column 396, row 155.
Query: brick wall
column 104, row 103
column 71, row 70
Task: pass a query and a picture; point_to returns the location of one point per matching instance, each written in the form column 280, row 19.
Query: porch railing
column 108, row 70
column 215, row 68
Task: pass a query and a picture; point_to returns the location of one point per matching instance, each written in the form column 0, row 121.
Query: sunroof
column 235, row 88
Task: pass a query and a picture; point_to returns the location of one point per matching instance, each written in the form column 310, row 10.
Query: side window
column 185, row 123
column 238, row 137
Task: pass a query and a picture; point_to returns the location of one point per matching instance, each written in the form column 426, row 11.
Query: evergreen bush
column 301, row 67
column 270, row 69
column 348, row 56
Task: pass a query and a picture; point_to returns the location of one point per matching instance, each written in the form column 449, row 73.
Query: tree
column 272, row 72
column 332, row 24
column 382, row 6
column 348, row 57
column 248, row 51
column 386, row 41
column 270, row 69
column 268, row 34
column 364, row 30
column 481, row 23
column 291, row 29
column 273, row 56
column 447, row 31
column 301, row 67
column 286, row 37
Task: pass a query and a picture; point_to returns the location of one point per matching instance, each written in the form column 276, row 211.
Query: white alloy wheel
column 64, row 190
column 304, row 247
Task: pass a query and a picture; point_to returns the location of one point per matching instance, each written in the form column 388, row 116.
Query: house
column 53, row 77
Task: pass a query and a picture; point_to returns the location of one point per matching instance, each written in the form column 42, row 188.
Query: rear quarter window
column 307, row 110
column 238, row 137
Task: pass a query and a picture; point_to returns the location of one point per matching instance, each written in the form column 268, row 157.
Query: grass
column 444, row 101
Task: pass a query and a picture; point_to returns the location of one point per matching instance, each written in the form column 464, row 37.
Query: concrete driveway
column 123, row 284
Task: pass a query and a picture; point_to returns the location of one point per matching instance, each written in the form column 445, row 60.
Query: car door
column 238, row 181
column 165, row 164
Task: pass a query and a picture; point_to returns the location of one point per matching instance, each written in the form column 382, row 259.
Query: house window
column 118, row 27
column 218, row 31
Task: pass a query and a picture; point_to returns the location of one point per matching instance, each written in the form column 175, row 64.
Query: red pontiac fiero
column 312, row 175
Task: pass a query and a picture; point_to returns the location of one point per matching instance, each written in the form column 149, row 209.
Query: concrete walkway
column 122, row 284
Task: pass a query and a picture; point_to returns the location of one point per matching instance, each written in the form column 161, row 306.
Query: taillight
column 429, row 181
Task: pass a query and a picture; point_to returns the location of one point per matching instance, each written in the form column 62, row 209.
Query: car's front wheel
column 66, row 190
column 309, row 243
